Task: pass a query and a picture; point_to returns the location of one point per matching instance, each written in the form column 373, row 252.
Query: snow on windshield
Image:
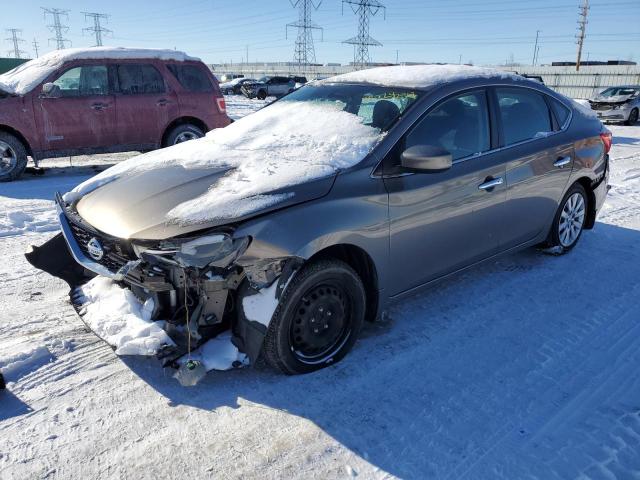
column 285, row 144
column 27, row 76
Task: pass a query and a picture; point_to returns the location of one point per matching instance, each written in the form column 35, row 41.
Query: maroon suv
column 102, row 100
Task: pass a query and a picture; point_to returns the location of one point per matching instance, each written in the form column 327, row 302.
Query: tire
column 318, row 319
column 574, row 205
column 262, row 94
column 13, row 157
column 183, row 133
column 633, row 117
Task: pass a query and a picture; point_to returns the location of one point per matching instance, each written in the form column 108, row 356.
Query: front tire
column 261, row 95
column 633, row 117
column 318, row 319
column 183, row 133
column 13, row 157
column 570, row 219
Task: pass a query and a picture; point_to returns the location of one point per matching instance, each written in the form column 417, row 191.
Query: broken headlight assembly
column 217, row 249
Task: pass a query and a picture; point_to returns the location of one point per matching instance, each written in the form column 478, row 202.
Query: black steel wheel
column 262, row 94
column 318, row 318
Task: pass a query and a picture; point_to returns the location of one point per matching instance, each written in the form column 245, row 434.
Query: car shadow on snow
column 11, row 406
column 430, row 390
column 626, row 140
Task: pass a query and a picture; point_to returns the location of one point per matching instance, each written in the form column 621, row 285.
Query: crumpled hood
column 286, row 153
column 138, row 205
column 614, row 99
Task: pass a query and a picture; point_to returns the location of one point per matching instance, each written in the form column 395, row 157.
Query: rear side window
column 460, row 125
column 524, row 114
column 560, row 111
column 191, row 77
column 139, row 78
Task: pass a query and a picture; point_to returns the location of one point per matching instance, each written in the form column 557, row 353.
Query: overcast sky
column 485, row 32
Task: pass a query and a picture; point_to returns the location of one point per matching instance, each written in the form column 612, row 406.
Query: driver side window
column 459, row 125
column 83, row 81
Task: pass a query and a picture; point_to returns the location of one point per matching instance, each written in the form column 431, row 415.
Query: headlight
column 219, row 249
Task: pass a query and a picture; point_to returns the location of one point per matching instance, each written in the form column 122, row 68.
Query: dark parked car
column 268, row 87
column 297, row 223
column 100, row 100
column 234, row 87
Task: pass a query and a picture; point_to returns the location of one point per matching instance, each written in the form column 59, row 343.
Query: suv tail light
column 222, row 105
column 607, row 139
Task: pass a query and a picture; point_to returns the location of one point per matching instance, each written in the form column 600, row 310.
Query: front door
column 441, row 222
column 145, row 106
column 79, row 112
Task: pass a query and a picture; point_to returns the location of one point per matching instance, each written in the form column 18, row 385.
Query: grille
column 116, row 253
column 603, row 106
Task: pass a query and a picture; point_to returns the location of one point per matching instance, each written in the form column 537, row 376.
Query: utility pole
column 97, row 29
column 364, row 9
column 397, row 57
column 16, row 41
column 35, row 46
column 57, row 26
column 582, row 27
column 535, row 50
column 305, row 53
column 460, row 59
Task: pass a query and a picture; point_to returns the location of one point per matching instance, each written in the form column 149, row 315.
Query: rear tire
column 570, row 219
column 13, row 157
column 261, row 95
column 318, row 318
column 183, row 133
column 633, row 117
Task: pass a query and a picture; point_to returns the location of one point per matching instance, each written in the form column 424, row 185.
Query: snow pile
column 119, row 318
column 15, row 222
column 217, row 354
column 419, row 76
column 21, row 358
column 27, row 76
column 287, row 143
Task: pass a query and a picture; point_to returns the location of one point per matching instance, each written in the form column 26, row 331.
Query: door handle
column 99, row 106
column 162, row 102
column 561, row 162
column 490, row 184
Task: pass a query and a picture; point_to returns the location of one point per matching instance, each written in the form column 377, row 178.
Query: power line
column 57, row 26
column 361, row 43
column 582, row 27
column 305, row 52
column 16, row 52
column 97, row 29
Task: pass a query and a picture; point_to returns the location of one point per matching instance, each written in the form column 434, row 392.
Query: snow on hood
column 612, row 99
column 418, row 76
column 27, row 76
column 285, row 144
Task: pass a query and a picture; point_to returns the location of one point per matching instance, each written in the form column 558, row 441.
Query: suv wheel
column 183, row 133
column 318, row 318
column 13, row 157
column 633, row 117
column 262, row 94
column 569, row 220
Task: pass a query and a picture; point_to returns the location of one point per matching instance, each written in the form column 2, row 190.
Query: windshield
column 263, row 79
column 617, row 91
column 378, row 107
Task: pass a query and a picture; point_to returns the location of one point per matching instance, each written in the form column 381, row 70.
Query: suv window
column 524, row 113
column 191, row 77
column 460, row 125
column 84, row 81
column 139, row 78
column 560, row 111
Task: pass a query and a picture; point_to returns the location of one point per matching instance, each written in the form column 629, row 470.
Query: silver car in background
column 618, row 104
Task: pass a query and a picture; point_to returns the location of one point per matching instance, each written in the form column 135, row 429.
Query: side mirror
column 426, row 159
column 51, row 90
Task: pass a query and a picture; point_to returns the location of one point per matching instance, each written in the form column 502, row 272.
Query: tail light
column 607, row 139
column 222, row 105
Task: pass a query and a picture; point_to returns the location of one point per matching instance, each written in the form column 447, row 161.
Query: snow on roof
column 285, row 144
column 27, row 76
column 418, row 76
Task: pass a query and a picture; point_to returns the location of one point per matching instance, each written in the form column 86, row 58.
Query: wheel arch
column 19, row 136
column 358, row 259
column 587, row 184
column 182, row 121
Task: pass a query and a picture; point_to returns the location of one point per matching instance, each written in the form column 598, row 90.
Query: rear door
column 144, row 104
column 441, row 222
column 539, row 163
column 79, row 113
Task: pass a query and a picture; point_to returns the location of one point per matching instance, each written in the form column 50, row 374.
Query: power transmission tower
column 361, row 43
column 36, row 45
column 305, row 52
column 57, row 26
column 97, row 29
column 582, row 27
column 16, row 52
column 535, row 49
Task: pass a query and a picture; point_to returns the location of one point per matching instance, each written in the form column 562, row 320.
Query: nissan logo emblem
column 95, row 249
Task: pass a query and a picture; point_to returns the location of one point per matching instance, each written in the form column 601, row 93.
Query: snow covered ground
column 524, row 368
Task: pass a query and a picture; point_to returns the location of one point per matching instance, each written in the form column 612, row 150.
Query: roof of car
column 420, row 76
column 25, row 77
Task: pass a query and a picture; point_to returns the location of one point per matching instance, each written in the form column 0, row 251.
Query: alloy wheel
column 185, row 137
column 8, row 158
column 571, row 220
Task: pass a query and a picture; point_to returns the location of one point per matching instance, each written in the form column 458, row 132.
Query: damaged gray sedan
column 288, row 229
